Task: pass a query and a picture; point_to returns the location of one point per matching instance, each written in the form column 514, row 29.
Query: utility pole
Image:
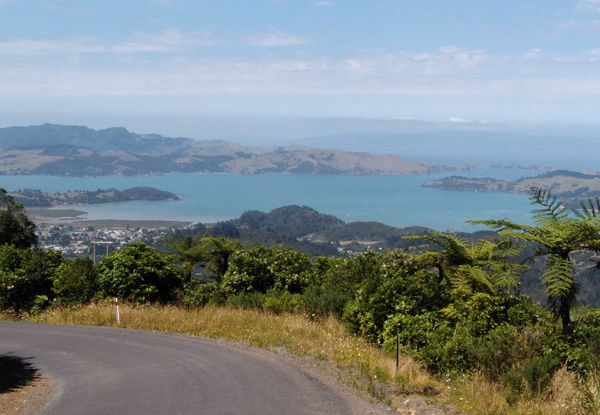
column 100, row 243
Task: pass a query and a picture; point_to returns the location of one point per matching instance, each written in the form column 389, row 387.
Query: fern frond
column 483, row 250
column 589, row 212
column 460, row 284
column 507, row 248
column 558, row 277
column 455, row 247
column 480, row 281
column 510, row 229
column 551, row 211
column 507, row 280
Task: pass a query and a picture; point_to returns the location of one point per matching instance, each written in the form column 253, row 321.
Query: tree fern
column 471, row 267
column 557, row 234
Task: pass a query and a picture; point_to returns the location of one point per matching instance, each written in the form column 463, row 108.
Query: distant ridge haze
column 80, row 151
column 428, row 145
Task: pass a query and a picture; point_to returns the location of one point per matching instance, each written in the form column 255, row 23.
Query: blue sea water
column 399, row 201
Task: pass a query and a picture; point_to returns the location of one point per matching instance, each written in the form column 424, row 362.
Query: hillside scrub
column 453, row 306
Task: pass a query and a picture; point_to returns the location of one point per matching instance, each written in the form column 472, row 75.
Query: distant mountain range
column 62, row 150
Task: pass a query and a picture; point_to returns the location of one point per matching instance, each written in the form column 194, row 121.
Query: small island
column 570, row 186
column 37, row 198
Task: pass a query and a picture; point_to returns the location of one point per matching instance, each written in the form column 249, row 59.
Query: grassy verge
column 357, row 363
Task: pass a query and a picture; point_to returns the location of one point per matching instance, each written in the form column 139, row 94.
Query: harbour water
column 399, row 201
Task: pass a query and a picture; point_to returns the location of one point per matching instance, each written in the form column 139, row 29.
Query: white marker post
column 117, row 308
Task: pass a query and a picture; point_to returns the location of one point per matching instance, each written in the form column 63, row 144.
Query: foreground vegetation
column 454, row 307
column 357, row 363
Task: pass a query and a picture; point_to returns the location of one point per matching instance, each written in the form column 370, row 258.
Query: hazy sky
column 101, row 61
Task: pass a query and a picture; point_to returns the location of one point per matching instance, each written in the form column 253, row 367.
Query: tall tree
column 558, row 232
column 15, row 227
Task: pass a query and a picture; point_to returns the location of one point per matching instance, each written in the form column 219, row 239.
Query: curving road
column 103, row 371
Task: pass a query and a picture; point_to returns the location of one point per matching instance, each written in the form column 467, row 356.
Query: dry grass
column 564, row 397
column 356, row 362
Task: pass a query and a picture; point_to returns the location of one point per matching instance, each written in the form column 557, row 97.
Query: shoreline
column 71, row 217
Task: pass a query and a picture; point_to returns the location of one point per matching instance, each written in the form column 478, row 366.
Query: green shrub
column 247, row 300
column 505, row 348
column 346, row 274
column 76, row 281
column 26, row 274
column 198, row 293
column 138, row 273
column 392, row 289
column 448, row 349
column 413, row 331
column 261, row 269
column 319, row 301
column 532, row 378
column 275, row 305
column 583, row 349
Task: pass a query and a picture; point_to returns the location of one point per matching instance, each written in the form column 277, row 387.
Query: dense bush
column 138, row 273
column 198, row 293
column 261, row 269
column 76, row 282
column 26, row 277
column 391, row 287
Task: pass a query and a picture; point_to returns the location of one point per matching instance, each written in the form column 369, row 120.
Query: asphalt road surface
column 101, row 370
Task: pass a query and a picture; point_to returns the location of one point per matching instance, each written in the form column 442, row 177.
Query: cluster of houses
column 74, row 241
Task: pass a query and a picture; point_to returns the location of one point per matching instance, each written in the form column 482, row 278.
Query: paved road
column 105, row 371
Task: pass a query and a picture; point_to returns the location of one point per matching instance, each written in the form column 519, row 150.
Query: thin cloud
column 166, row 41
column 439, row 73
column 324, row 3
column 589, row 5
column 275, row 37
column 36, row 47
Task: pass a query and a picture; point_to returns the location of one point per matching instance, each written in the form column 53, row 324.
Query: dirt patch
column 23, row 390
column 27, row 400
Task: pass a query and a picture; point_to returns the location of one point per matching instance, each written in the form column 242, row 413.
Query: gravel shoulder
column 27, row 400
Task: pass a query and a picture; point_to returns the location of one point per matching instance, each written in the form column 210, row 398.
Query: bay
column 399, row 201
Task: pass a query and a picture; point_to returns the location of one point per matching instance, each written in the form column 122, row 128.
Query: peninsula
column 37, row 198
column 570, row 186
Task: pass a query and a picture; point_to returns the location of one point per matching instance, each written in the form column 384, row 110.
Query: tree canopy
column 15, row 227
